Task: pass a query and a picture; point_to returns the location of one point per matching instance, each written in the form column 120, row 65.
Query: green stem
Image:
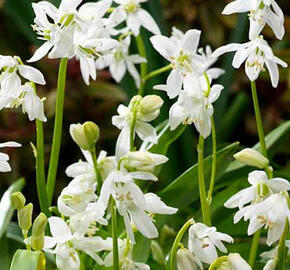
column 157, row 72
column 213, row 166
column 176, row 243
column 142, row 53
column 132, row 129
column 97, row 170
column 254, row 248
column 202, row 193
column 114, row 237
column 281, row 265
column 53, row 164
column 263, row 146
column 40, row 169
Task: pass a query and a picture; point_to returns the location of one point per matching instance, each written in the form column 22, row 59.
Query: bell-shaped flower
column 194, row 105
column 261, row 187
column 181, row 52
column 203, row 242
column 272, row 213
column 233, row 261
column 186, row 260
column 4, row 165
column 262, row 12
column 119, row 61
column 135, row 16
column 256, row 53
column 135, row 118
column 132, row 204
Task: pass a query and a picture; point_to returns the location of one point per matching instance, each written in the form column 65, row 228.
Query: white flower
column 204, row 240
column 135, row 16
column 56, row 27
column 236, row 262
column 256, row 53
column 4, row 165
column 187, row 260
column 129, row 264
column 262, row 12
column 134, row 115
column 132, row 204
column 261, row 187
column 194, row 105
column 272, row 213
column 119, row 61
column 182, row 54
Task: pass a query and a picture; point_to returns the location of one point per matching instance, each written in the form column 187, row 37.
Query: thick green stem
column 132, row 129
column 213, row 166
column 40, row 169
column 254, row 248
column 281, row 265
column 142, row 53
column 56, row 143
column 202, row 193
column 176, row 243
column 263, row 146
column 115, row 237
column 97, row 170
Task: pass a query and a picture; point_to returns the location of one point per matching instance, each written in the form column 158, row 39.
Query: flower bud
column 185, row 260
column 25, row 216
column 39, row 224
column 151, row 104
column 231, row 262
column 37, row 242
column 253, row 158
column 17, row 200
column 135, row 101
column 157, row 252
column 85, row 135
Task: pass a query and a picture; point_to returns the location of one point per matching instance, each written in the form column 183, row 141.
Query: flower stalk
column 116, row 264
column 56, row 143
column 281, row 265
column 97, row 171
column 142, row 53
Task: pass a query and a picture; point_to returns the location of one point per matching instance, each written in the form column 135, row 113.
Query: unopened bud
column 39, row 224
column 134, row 102
column 25, row 216
column 157, row 252
column 17, row 200
column 253, row 158
column 86, row 135
column 151, row 104
column 37, row 242
column 185, row 260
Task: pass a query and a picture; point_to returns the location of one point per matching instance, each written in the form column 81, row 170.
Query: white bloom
column 236, row 262
column 256, row 53
column 204, row 240
column 132, row 204
column 4, row 165
column 272, row 213
column 262, row 12
column 129, row 264
column 261, row 187
column 119, row 61
column 194, row 105
column 135, row 16
column 187, row 260
column 182, row 54
column 134, row 115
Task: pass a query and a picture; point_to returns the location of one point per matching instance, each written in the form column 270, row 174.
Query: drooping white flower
column 187, row 260
column 204, row 240
column 4, row 165
column 256, row 53
column 262, row 12
column 132, row 204
column 119, row 61
column 194, row 105
column 261, row 187
column 138, row 114
column 135, row 16
column 181, row 52
column 272, row 213
column 233, row 261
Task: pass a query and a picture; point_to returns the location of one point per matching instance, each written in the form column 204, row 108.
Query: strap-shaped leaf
column 6, row 210
column 28, row 260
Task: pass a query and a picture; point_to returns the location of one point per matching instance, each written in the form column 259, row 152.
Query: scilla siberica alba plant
column 109, row 210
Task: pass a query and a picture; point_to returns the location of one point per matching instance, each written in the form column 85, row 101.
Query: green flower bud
column 150, row 104
column 25, row 216
column 17, row 200
column 86, row 135
column 253, row 158
column 37, row 241
column 157, row 252
column 39, row 224
column 135, row 101
column 92, row 133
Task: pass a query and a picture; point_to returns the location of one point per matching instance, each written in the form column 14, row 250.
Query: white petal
column 41, row 52
column 190, row 40
column 134, row 24
column 279, row 184
column 176, row 116
column 174, row 83
column 59, row 229
column 10, row 144
column 227, row 48
column 31, row 74
column 123, row 143
column 165, row 46
column 155, row 205
column 148, row 22
column 118, row 70
column 146, row 132
column 215, row 92
column 238, row 6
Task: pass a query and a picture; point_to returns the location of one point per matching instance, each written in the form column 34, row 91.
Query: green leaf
column 6, row 211
column 28, row 260
column 272, row 140
column 142, row 248
column 184, row 190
